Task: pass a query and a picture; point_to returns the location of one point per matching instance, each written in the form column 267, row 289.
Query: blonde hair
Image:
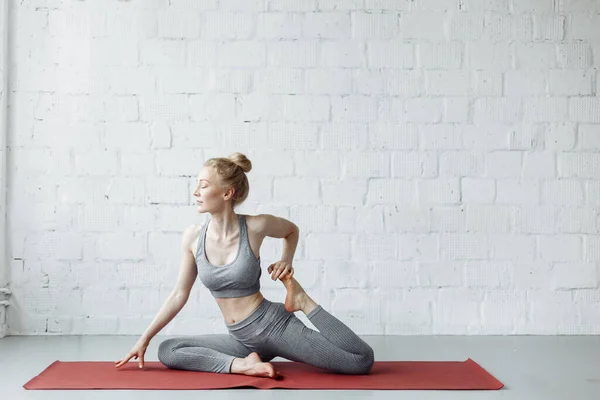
column 231, row 172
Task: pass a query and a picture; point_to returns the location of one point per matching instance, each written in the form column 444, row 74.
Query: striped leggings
column 272, row 331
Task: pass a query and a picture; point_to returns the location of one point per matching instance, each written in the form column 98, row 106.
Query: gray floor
column 531, row 367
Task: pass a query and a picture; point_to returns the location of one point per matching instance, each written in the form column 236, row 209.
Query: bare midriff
column 237, row 308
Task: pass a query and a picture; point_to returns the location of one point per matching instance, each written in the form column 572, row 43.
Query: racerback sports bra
column 239, row 278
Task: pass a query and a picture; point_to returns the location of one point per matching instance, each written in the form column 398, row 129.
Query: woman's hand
column 280, row 269
column 137, row 351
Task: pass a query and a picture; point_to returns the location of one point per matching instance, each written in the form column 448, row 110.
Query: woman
column 224, row 254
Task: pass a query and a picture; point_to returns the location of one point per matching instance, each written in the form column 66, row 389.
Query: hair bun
column 241, row 161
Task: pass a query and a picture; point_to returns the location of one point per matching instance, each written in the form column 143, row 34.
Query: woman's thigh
column 298, row 342
column 222, row 343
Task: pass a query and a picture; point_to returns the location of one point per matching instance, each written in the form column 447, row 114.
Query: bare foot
column 254, row 366
column 295, row 297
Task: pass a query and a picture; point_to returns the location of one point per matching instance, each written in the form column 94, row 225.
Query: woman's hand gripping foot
column 296, row 298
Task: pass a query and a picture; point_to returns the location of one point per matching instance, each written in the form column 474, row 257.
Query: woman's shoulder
column 256, row 224
column 190, row 236
column 252, row 220
column 193, row 229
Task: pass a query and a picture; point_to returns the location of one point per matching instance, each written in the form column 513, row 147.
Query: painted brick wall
column 4, row 264
column 439, row 156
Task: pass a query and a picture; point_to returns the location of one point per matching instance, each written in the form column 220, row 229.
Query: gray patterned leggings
column 272, row 331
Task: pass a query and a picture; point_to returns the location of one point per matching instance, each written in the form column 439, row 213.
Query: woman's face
column 209, row 195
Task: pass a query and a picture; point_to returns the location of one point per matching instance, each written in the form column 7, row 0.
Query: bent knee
column 165, row 352
column 361, row 363
column 366, row 361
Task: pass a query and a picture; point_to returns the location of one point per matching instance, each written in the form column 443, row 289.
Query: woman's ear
column 229, row 193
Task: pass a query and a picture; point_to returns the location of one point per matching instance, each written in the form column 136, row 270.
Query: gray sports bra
column 239, row 278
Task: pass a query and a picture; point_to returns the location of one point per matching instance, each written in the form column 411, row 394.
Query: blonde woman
column 224, row 254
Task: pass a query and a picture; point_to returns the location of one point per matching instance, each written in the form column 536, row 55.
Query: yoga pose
column 224, row 254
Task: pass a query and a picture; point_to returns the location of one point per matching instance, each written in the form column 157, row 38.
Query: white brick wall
column 440, row 157
column 4, row 256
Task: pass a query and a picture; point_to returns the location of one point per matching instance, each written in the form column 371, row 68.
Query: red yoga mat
column 385, row 375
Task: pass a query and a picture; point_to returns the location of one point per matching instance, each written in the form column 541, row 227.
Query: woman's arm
column 281, row 228
column 181, row 292
column 168, row 311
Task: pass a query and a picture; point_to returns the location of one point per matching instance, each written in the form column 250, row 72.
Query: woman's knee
column 165, row 351
column 365, row 362
column 370, row 360
column 361, row 363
